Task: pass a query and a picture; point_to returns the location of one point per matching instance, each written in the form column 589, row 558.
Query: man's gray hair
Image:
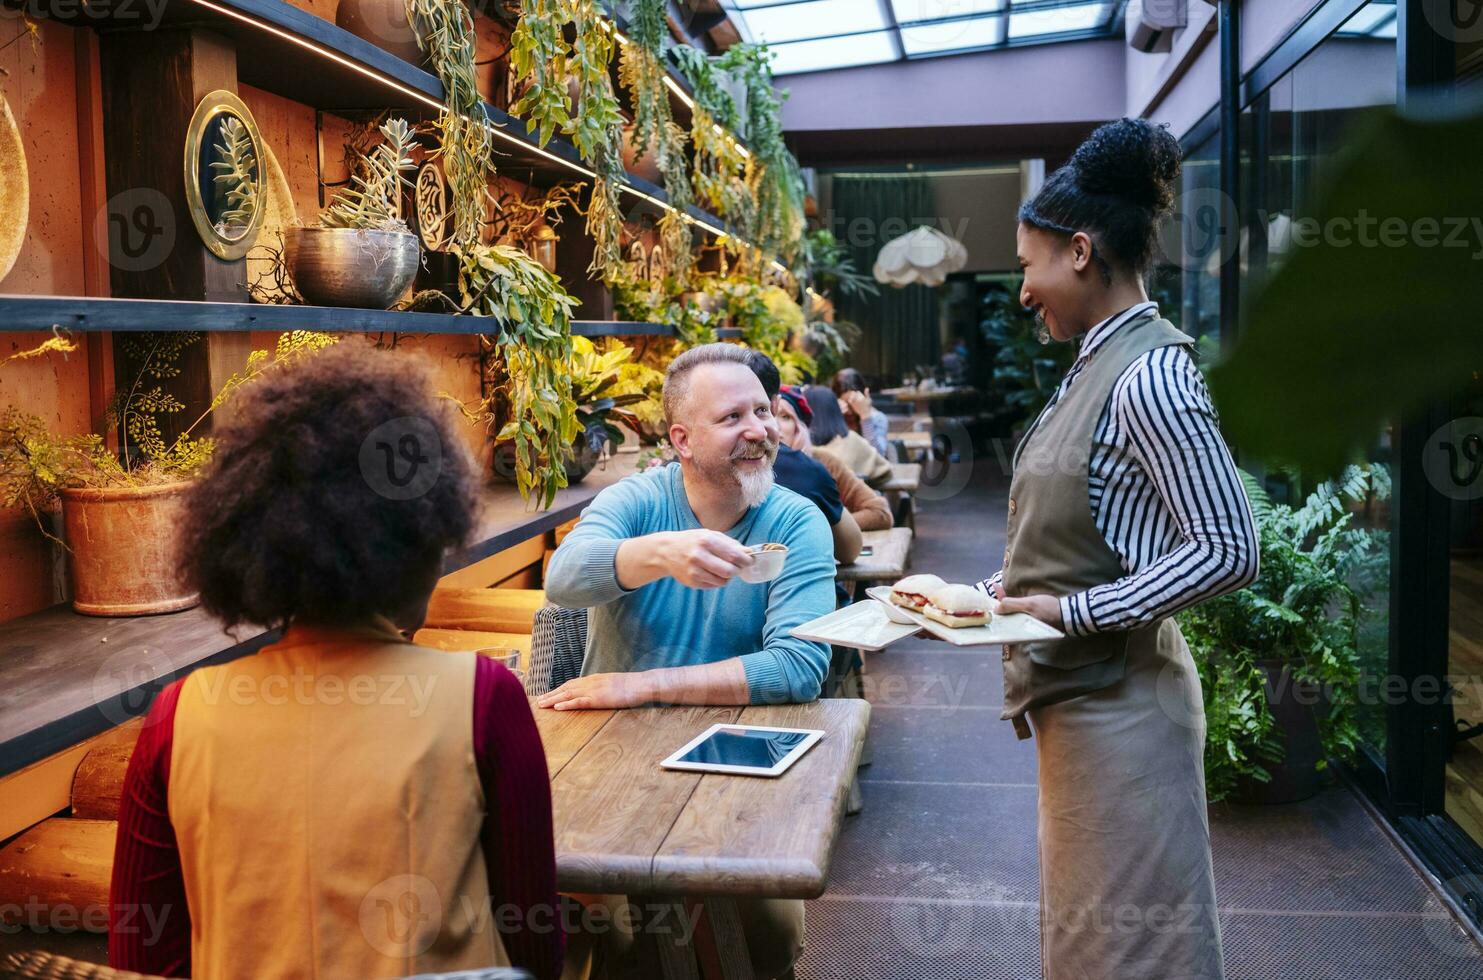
column 677, row 378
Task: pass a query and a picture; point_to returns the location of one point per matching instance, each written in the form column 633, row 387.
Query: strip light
column 433, row 103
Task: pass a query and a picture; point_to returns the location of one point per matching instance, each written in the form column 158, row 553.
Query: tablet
column 744, row 750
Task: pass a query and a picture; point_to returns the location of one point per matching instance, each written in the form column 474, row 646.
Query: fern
column 1305, row 611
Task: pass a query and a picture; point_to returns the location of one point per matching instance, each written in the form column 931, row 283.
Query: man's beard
column 755, row 484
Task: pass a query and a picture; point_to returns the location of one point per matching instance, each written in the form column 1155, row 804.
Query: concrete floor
column 937, row 878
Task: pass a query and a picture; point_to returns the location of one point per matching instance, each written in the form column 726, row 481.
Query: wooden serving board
column 1011, row 628
column 863, row 626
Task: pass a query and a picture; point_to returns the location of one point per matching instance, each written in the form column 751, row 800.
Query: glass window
column 821, row 18
column 813, row 35
column 950, row 24
column 837, row 52
column 1186, row 283
column 956, row 35
column 1057, row 20
column 1289, row 136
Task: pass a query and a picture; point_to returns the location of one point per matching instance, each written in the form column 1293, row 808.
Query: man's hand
column 1045, row 608
column 699, row 559
column 857, row 402
column 702, row 559
column 600, row 691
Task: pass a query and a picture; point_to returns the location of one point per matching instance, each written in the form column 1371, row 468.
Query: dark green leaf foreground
column 1344, row 338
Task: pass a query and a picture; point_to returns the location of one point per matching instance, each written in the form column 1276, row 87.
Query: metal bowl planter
column 351, row 266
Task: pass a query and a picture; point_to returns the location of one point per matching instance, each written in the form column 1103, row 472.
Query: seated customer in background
column 859, row 411
column 655, row 559
column 868, row 508
column 307, row 810
column 831, row 434
column 843, row 488
column 800, row 472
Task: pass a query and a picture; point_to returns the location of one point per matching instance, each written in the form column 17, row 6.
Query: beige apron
column 328, row 809
column 1127, row 889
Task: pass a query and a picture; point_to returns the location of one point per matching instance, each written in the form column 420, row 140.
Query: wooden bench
column 477, row 619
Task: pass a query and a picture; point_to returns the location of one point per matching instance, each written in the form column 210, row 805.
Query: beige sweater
column 860, row 457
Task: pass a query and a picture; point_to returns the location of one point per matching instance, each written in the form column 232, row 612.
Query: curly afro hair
column 1118, row 188
column 313, row 508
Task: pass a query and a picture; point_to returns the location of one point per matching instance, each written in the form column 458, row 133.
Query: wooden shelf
column 292, row 53
column 66, row 677
column 83, row 313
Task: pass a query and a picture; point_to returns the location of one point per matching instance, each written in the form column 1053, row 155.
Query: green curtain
column 898, row 326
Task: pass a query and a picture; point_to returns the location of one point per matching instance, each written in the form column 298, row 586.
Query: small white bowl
column 766, row 564
column 882, row 594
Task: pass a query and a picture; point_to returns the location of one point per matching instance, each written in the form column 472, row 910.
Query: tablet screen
column 745, row 747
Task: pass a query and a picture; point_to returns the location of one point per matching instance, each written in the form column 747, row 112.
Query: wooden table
column 905, row 478
column 891, row 550
column 905, row 481
column 920, row 395
column 626, row 826
column 916, row 444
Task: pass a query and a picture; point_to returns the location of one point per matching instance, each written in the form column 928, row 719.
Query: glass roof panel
column 1372, row 20
column 836, row 52
column 1057, row 20
column 819, row 18
column 816, row 35
column 956, row 35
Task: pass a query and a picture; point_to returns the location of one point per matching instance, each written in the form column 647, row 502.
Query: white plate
column 1011, row 628
column 863, row 626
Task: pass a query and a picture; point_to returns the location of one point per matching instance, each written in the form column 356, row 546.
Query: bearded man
column 656, row 558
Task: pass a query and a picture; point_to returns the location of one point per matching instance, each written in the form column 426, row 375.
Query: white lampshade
column 923, row 255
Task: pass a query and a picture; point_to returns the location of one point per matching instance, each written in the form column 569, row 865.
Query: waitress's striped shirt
column 1164, row 492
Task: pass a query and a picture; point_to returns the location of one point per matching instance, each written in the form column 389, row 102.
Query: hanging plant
column 719, row 165
column 641, row 70
column 773, row 173
column 534, row 344
column 541, row 56
column 445, row 31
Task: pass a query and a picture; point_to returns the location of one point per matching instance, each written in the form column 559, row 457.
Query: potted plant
column 1280, row 660
column 361, row 253
column 596, row 376
column 119, row 509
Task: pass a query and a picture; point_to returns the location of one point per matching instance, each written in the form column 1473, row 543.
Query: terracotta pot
column 645, row 165
column 383, row 23
column 123, row 549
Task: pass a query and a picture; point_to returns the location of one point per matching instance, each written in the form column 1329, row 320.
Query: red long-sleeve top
column 149, row 928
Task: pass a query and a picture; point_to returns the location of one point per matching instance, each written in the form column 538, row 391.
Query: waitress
column 1124, row 509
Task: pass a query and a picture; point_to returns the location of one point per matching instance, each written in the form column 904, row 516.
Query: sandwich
column 958, row 606
column 912, row 591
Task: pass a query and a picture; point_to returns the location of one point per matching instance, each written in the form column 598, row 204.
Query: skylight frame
column 906, row 34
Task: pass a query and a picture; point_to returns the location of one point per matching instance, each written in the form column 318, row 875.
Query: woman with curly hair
column 1124, row 509
column 341, row 803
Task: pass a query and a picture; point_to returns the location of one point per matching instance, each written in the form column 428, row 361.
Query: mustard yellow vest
column 327, row 808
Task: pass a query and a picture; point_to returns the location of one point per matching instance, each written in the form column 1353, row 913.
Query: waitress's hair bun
column 1117, row 188
column 1130, row 158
